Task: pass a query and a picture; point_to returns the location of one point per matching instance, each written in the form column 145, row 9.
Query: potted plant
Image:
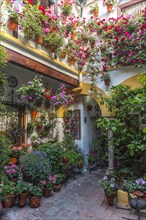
column 48, row 185
column 58, row 183
column 31, row 21
column 32, row 90
column 8, row 190
column 35, row 194
column 12, row 171
column 108, row 184
column 109, row 4
column 35, row 166
column 94, row 9
column 13, row 17
column 54, row 40
column 106, row 78
column 66, row 7
column 22, row 192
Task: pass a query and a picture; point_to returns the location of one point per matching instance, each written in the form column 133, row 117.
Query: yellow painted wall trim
column 7, row 36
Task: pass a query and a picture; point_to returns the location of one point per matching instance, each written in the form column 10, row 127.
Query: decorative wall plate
column 12, row 81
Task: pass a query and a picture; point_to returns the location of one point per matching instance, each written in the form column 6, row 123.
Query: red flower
column 30, row 2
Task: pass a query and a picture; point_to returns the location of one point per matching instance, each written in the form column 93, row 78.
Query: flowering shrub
column 12, row 171
column 133, row 185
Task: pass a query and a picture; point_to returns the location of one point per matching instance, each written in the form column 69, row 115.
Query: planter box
column 122, row 200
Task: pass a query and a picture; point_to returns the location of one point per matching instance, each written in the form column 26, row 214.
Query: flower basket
column 72, row 61
column 12, row 25
column 95, row 13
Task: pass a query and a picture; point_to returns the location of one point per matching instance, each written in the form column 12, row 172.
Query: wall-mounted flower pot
column 12, row 25
column 95, row 13
column 33, row 114
column 63, row 55
column 72, row 61
column 109, row 8
column 107, row 82
column 40, row 40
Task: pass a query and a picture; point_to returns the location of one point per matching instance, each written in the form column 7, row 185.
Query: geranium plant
column 21, row 150
column 48, row 183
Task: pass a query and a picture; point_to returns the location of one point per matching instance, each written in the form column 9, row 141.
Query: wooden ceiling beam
column 33, row 65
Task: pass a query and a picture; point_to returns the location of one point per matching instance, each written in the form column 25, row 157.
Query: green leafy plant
column 108, row 184
column 54, row 41
column 32, row 21
column 59, row 178
column 35, row 190
column 22, row 187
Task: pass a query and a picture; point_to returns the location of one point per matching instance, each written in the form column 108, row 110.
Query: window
column 72, row 123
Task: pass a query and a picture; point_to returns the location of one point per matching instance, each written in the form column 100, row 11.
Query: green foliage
column 7, row 188
column 55, row 40
column 129, row 106
column 32, row 21
column 68, row 142
column 35, row 190
column 22, row 187
column 59, row 178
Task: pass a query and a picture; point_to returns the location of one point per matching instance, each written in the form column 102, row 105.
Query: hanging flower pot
column 109, row 8
column 12, row 25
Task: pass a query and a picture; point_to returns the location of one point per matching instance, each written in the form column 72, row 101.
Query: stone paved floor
column 81, row 199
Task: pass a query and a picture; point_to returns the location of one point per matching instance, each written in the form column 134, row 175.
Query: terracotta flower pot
column 40, row 40
column 34, row 201
column 22, row 199
column 72, row 61
column 109, row 8
column 12, row 25
column 57, row 187
column 107, row 82
column 33, row 114
column 110, row 199
column 9, row 201
column 47, row 192
column 95, row 13
column 63, row 55
column 73, row 35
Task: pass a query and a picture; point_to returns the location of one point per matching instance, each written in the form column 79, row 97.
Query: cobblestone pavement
column 81, row 199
